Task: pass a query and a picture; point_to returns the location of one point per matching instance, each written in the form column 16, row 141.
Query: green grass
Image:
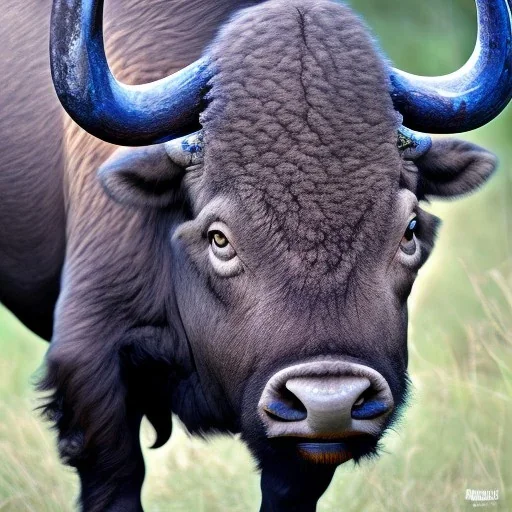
column 454, row 435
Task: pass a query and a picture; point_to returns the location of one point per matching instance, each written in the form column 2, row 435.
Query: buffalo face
column 307, row 356
column 309, row 360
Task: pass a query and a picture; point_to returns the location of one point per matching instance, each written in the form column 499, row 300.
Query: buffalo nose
column 325, row 400
column 328, row 402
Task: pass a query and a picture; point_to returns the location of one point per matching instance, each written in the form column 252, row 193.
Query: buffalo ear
column 143, row 176
column 453, row 168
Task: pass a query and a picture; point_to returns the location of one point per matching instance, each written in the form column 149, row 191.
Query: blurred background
column 456, row 433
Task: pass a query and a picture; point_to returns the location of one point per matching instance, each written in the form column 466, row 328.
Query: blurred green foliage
column 455, row 434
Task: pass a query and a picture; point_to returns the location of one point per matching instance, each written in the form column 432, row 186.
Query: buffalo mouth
column 331, row 451
column 324, row 452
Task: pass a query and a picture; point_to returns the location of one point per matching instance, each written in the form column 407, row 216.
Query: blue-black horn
column 160, row 111
column 473, row 95
column 117, row 113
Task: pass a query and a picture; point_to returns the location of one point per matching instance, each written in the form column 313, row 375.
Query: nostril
column 286, row 408
column 283, row 412
column 368, row 408
column 369, row 405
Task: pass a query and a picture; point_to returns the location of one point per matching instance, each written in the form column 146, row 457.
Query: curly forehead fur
column 301, row 127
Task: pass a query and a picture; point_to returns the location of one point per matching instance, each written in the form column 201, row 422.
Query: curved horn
column 117, row 113
column 473, row 95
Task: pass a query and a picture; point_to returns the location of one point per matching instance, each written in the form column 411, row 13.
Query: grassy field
column 455, row 434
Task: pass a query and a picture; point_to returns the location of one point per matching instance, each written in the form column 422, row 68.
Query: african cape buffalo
column 249, row 264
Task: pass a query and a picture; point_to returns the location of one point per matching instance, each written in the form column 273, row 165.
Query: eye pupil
column 219, row 239
column 411, row 228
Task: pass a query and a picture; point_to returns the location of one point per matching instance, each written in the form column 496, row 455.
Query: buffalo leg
column 113, row 488
column 293, row 486
column 97, row 413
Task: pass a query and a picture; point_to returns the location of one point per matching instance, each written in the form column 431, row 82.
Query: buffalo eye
column 220, row 246
column 408, row 243
column 223, row 256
